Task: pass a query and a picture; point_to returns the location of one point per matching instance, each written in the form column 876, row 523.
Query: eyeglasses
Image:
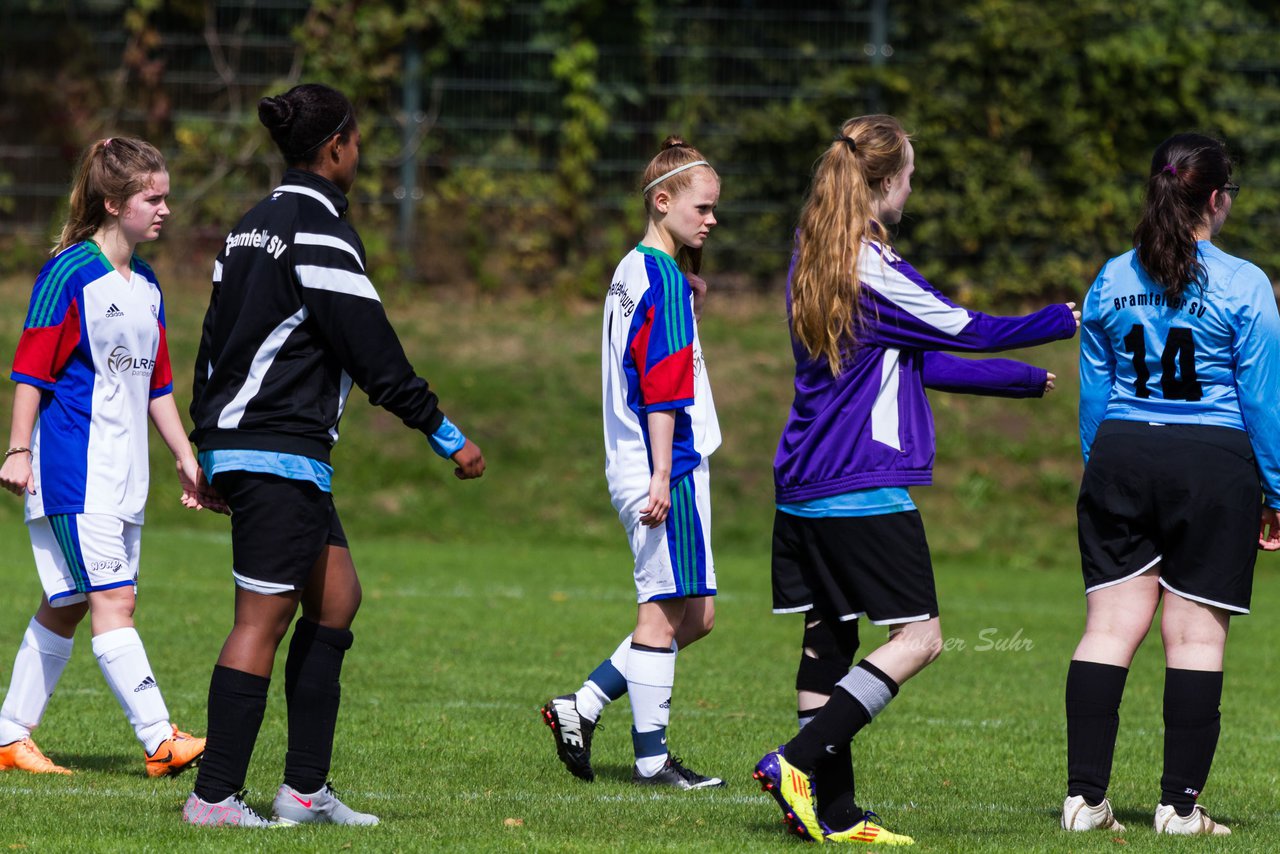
column 1233, row 190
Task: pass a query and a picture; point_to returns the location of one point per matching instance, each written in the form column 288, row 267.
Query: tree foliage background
column 1034, row 121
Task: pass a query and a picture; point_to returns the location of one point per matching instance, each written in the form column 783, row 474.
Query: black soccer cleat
column 572, row 733
column 675, row 775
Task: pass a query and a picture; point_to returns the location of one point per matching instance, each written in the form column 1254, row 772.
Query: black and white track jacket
column 293, row 321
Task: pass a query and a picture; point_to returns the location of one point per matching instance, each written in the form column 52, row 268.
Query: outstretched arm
column 991, row 377
column 910, row 313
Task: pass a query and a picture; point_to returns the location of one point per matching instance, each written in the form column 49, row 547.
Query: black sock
column 833, row 782
column 841, row 718
column 312, row 691
column 1093, row 718
column 237, row 701
column 1191, row 725
column 834, row 785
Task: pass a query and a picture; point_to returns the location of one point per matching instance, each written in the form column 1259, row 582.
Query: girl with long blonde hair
column 868, row 335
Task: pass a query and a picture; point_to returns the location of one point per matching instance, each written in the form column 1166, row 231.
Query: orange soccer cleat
column 25, row 756
column 175, row 755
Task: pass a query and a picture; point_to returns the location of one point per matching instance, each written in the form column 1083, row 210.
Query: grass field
column 483, row 599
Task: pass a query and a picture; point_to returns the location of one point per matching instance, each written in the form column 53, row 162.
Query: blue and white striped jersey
column 652, row 360
column 94, row 344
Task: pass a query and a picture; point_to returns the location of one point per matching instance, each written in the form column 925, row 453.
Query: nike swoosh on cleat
column 168, row 757
column 306, row 804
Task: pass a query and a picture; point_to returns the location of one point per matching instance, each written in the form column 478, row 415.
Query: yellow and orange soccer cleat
column 870, row 832
column 175, row 755
column 25, row 756
column 793, row 791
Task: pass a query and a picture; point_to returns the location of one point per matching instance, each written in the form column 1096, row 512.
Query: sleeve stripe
column 878, row 274
column 306, row 239
column 672, row 304
column 54, row 285
column 669, row 292
column 217, row 271
column 338, row 281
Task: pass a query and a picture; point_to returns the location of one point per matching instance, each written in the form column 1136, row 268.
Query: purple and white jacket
column 872, row 426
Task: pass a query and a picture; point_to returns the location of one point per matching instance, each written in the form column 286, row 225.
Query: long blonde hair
column 674, row 154
column 834, row 223
column 112, row 170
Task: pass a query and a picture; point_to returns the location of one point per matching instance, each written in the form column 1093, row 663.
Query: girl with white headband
column 660, row 427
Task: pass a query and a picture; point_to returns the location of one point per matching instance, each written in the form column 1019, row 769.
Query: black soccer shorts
column 1185, row 497
column 845, row 567
column 279, row 527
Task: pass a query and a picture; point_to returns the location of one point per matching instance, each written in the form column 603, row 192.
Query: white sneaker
column 1078, row 815
column 230, row 811
column 322, row 807
column 1196, row 824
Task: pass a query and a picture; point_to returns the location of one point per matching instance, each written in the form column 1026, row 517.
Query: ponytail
column 1185, row 170
column 835, row 222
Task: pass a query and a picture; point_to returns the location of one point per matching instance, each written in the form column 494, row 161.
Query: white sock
column 124, row 665
column 41, row 658
column 606, row 683
column 650, row 677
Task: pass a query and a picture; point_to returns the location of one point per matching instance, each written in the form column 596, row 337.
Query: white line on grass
column 589, row 594
column 693, row 712
column 487, row 795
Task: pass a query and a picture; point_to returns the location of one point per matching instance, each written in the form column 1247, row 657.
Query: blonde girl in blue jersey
column 1179, row 354
column 91, row 367
column 660, row 427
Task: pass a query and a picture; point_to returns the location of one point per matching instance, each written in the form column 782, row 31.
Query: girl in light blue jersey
column 1179, row 350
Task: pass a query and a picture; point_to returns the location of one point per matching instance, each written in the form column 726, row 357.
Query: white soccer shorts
column 84, row 552
column 674, row 560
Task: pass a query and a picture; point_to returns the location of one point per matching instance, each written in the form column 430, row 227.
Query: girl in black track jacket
column 293, row 322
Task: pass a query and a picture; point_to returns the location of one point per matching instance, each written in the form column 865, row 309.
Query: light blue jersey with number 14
column 1209, row 356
